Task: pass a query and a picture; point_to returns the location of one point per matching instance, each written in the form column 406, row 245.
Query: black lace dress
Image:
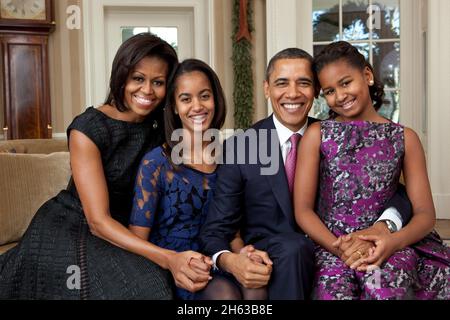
column 59, row 258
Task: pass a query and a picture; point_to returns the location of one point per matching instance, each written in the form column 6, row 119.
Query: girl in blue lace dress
column 171, row 199
column 356, row 159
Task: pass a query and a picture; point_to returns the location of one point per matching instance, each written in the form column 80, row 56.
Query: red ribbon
column 243, row 33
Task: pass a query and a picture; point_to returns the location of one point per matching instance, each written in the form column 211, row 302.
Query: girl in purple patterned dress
column 355, row 160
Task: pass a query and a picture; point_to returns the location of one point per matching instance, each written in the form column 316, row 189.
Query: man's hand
column 250, row 274
column 354, row 249
column 256, row 256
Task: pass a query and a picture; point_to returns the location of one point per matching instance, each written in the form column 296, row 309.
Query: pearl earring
column 371, row 83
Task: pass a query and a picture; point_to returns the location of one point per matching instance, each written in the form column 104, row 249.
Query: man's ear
column 266, row 89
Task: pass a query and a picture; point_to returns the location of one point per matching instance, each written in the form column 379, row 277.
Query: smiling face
column 346, row 89
column 194, row 100
column 145, row 87
column 291, row 91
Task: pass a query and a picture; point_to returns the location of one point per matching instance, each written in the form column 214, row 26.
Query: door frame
column 96, row 81
column 116, row 17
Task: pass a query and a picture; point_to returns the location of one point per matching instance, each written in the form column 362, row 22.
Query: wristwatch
column 392, row 227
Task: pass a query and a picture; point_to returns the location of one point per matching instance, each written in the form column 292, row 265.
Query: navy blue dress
column 172, row 201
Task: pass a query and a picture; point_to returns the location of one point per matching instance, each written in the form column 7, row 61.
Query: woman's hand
column 190, row 270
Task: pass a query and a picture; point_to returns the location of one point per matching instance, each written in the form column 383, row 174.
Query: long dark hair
column 128, row 56
column 342, row 50
column 171, row 120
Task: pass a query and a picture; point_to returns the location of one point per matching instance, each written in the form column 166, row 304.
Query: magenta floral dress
column 360, row 167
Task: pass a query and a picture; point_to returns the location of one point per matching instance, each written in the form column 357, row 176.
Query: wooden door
column 26, row 86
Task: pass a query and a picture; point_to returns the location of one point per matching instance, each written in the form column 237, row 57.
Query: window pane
column 128, row 32
column 387, row 16
column 355, row 18
column 326, row 20
column 386, row 63
column 169, row 34
column 320, row 108
column 364, row 49
column 390, row 109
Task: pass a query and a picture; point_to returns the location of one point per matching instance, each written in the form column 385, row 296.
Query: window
column 373, row 26
column 169, row 34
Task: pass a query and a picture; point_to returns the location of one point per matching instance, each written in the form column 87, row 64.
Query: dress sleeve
column 93, row 125
column 147, row 192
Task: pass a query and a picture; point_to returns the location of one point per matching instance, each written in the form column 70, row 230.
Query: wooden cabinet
column 27, row 110
column 24, row 69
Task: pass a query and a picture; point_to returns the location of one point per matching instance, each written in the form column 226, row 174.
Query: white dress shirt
column 284, row 135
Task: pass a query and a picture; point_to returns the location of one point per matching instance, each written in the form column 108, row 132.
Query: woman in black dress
column 78, row 245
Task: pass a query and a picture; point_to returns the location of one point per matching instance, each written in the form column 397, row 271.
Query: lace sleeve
column 147, row 192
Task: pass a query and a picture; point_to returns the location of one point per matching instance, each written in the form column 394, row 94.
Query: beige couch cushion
column 26, row 182
column 41, row 146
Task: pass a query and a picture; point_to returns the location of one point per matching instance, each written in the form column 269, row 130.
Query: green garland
column 243, row 73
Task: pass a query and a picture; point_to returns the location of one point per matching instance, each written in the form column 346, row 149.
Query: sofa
column 31, row 172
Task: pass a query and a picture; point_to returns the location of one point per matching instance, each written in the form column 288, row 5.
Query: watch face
column 23, row 9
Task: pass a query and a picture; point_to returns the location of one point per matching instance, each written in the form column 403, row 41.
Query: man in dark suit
column 254, row 196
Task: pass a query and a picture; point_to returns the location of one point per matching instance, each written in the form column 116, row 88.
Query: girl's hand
column 185, row 276
column 352, row 250
column 201, row 266
column 248, row 248
column 385, row 247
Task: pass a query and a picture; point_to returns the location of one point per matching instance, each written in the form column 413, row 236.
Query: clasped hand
column 191, row 270
column 369, row 247
column 252, row 267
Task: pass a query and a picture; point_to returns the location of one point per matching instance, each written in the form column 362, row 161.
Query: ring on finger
column 360, row 253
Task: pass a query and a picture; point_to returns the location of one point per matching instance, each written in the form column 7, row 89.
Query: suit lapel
column 278, row 181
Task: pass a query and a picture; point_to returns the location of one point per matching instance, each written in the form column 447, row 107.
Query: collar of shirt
column 284, row 134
